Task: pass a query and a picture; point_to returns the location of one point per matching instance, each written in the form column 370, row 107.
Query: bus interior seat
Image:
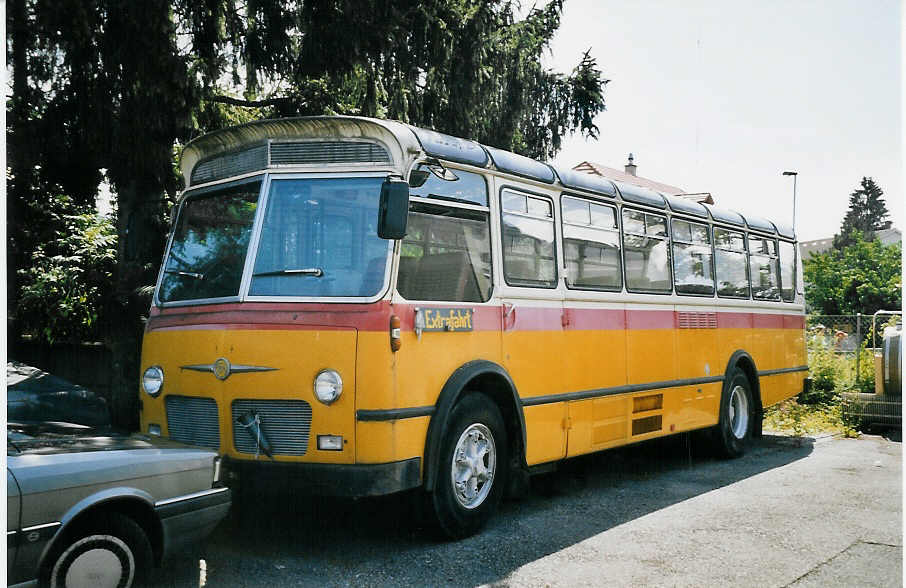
column 442, row 276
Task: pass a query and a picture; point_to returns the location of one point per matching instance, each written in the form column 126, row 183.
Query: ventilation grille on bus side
column 697, row 320
column 646, row 425
column 285, row 154
column 193, row 420
column 285, row 423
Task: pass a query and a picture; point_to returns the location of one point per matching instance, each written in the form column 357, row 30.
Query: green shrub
column 63, row 291
column 826, row 370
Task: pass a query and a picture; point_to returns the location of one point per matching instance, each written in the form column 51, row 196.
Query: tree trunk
column 138, row 243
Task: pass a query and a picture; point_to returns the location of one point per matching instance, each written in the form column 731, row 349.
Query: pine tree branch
column 252, row 103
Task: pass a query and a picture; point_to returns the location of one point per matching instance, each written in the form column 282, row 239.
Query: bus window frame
column 776, row 258
column 745, row 244
column 795, row 269
column 557, row 234
column 261, row 176
column 667, row 238
column 708, row 227
column 256, row 235
column 440, row 203
column 618, row 231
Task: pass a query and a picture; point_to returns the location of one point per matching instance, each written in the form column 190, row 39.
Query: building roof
column 610, row 173
column 815, row 246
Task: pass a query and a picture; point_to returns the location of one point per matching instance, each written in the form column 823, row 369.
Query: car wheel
column 110, row 551
column 734, row 428
column 472, row 463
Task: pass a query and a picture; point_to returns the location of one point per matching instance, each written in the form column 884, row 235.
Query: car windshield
column 38, row 402
column 319, row 238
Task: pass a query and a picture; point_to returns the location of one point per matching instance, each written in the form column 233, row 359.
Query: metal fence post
column 858, row 344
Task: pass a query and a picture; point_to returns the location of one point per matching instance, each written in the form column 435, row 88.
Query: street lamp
column 795, row 175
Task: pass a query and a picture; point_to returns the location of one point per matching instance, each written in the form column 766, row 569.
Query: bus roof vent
column 230, row 164
column 286, row 154
column 323, row 152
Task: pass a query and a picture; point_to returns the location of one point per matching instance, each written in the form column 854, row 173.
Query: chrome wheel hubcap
column 474, row 465
column 739, row 412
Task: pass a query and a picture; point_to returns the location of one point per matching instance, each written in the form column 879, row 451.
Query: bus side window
column 446, row 254
column 763, row 268
column 787, row 271
column 529, row 257
column 730, row 265
column 591, row 245
column 647, row 257
column 692, row 257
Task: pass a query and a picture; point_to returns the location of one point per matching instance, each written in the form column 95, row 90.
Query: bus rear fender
column 742, row 360
column 476, row 376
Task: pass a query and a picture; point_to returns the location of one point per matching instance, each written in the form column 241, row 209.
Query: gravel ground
column 812, row 512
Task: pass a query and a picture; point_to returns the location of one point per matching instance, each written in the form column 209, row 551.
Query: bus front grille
column 193, row 420
column 285, row 423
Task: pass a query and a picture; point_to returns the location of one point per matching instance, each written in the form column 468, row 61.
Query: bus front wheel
column 736, row 425
column 472, row 464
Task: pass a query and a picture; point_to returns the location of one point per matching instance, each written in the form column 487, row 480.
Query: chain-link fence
column 851, row 358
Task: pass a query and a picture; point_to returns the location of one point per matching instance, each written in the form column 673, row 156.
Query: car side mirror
column 393, row 210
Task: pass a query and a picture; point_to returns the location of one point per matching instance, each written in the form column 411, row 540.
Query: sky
column 722, row 97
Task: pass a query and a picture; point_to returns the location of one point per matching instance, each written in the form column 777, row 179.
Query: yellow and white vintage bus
column 369, row 307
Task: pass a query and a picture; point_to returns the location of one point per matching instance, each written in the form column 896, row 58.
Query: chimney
column 630, row 167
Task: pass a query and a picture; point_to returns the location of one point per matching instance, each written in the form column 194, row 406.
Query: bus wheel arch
column 742, row 361
column 493, row 381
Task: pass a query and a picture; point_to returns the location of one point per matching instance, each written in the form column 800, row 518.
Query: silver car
column 89, row 507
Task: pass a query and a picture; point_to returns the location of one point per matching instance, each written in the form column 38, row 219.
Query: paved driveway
column 825, row 512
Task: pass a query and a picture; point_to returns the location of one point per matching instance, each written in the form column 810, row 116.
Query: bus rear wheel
column 472, row 463
column 735, row 428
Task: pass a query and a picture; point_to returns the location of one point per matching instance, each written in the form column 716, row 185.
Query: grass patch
column 792, row 418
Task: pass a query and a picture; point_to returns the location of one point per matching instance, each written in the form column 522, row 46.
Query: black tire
column 461, row 510
column 110, row 544
column 734, row 430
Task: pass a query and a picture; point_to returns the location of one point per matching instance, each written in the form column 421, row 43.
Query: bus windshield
column 318, row 239
column 209, row 244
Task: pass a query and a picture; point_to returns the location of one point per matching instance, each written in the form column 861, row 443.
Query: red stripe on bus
column 767, row 321
column 376, row 317
column 734, row 320
column 591, row 319
column 650, row 319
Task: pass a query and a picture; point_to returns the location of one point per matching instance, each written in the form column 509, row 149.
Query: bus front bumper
column 326, row 479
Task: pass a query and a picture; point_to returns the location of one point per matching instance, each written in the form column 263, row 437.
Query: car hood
column 49, row 464
column 53, row 438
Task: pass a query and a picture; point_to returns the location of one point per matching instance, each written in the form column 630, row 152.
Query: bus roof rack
column 521, row 165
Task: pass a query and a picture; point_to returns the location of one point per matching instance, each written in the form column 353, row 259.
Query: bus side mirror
column 393, row 211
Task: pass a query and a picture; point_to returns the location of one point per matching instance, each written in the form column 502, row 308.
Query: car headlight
column 153, row 380
column 328, row 386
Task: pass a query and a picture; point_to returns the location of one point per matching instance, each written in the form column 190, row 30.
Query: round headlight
column 153, row 380
column 328, row 386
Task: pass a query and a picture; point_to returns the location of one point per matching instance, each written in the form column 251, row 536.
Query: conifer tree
column 867, row 213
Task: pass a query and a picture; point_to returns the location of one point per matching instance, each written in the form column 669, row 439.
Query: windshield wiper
column 186, row 274
column 309, row 271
